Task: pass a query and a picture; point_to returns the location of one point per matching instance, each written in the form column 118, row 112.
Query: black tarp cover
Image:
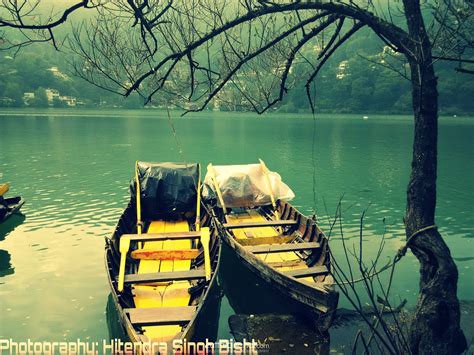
column 166, row 188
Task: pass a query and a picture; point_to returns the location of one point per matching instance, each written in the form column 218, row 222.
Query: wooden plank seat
column 287, row 263
column 280, row 239
column 160, row 315
column 149, row 237
column 278, row 248
column 165, row 276
column 309, row 271
column 287, row 222
column 168, row 254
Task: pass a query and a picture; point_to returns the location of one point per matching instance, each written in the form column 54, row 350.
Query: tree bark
column 436, row 326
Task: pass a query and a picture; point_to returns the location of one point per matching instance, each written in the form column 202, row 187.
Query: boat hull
column 317, row 300
column 13, row 206
column 316, row 304
column 206, row 314
column 210, row 304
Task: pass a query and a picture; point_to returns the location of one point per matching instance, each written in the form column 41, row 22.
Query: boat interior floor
column 163, row 294
column 282, row 261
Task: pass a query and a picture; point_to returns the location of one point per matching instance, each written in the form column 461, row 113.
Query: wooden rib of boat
column 161, row 270
column 8, row 206
column 285, row 250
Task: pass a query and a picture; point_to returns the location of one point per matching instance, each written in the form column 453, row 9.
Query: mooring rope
column 179, row 146
column 313, row 162
column 403, row 249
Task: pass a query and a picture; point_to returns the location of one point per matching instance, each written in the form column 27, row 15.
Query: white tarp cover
column 245, row 185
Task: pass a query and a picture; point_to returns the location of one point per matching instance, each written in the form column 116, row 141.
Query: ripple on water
column 86, row 199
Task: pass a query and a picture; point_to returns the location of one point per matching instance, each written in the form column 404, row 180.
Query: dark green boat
column 8, row 206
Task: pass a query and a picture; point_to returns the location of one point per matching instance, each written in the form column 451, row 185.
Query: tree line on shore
column 364, row 76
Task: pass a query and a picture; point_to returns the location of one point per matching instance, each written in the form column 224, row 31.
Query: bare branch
column 341, row 41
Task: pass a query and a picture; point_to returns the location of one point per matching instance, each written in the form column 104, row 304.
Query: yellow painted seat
column 168, row 294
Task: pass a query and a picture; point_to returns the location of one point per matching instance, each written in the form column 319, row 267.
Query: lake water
column 73, row 169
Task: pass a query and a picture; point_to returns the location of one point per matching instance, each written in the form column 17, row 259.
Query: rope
column 400, row 254
column 313, row 162
column 403, row 249
column 179, row 147
column 197, row 184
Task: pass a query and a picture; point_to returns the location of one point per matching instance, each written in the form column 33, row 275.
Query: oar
column 138, row 192
column 198, row 207
column 272, row 197
column 124, row 246
column 205, row 239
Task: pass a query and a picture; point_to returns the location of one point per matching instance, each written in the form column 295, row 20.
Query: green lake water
column 73, row 169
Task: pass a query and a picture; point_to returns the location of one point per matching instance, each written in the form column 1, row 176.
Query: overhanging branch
column 341, row 41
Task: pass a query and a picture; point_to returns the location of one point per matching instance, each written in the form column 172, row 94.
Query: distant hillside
column 354, row 80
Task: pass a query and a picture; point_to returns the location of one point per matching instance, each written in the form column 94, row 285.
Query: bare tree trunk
column 436, row 326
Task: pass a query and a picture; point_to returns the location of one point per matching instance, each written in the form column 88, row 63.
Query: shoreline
column 177, row 114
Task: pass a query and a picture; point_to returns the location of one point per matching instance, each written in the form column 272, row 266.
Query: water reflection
column 10, row 224
column 113, row 321
column 246, row 293
column 6, row 267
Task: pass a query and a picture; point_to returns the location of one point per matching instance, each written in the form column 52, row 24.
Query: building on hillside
column 6, row 101
column 342, row 69
column 28, row 97
column 52, row 94
column 70, row 101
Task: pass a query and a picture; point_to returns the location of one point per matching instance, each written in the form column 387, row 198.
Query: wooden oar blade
column 124, row 246
column 205, row 239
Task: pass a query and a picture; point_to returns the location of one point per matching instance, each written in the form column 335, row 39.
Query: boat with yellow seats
column 10, row 205
column 279, row 245
column 162, row 258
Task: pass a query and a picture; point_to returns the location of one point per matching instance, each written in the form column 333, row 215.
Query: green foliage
column 132, row 102
column 58, row 103
column 12, row 95
column 361, row 85
column 367, row 85
column 40, row 100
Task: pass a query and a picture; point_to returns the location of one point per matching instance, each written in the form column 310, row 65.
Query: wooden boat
column 279, row 245
column 162, row 258
column 8, row 206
